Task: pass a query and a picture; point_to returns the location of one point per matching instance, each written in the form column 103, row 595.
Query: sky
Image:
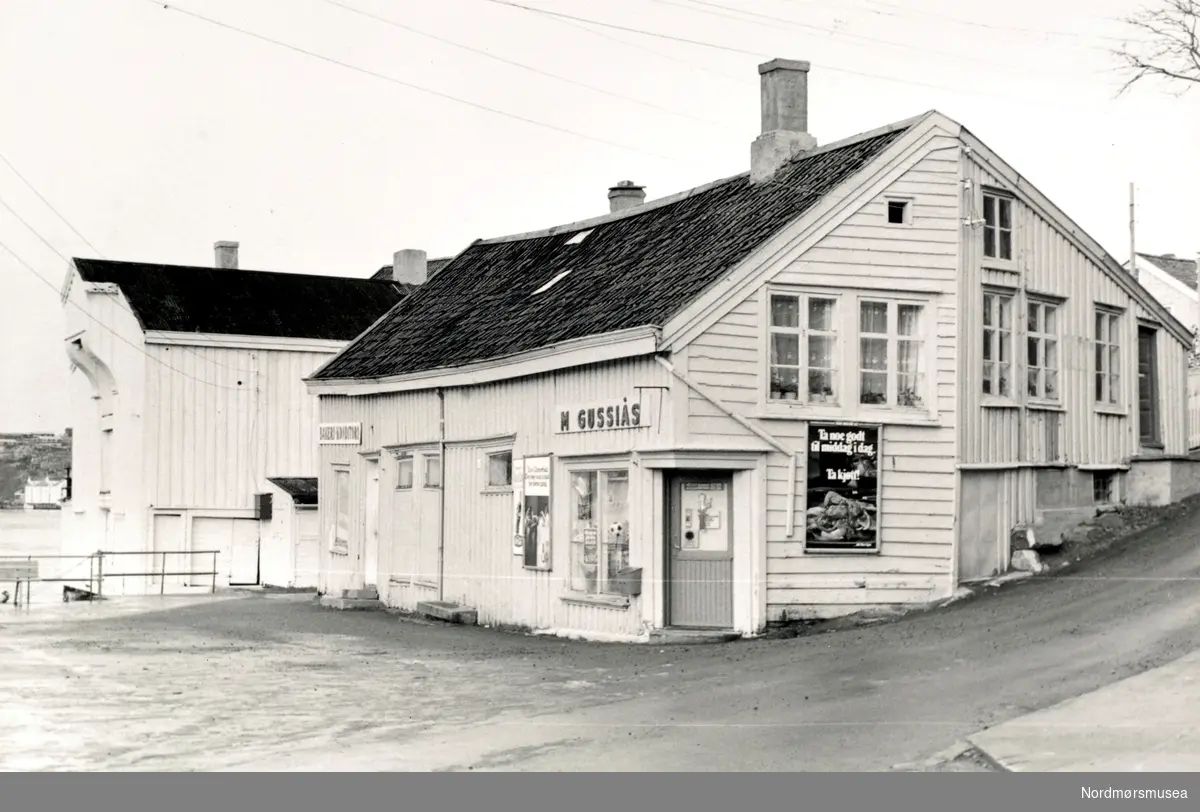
column 327, row 134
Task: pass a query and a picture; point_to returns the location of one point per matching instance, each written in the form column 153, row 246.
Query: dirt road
column 273, row 682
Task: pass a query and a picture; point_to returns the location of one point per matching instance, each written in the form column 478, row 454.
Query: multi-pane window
column 404, row 472
column 1041, row 342
column 1108, row 357
column 804, row 342
column 997, row 344
column 499, row 469
column 891, row 371
column 997, row 226
column 341, row 495
column 433, row 471
column 599, row 529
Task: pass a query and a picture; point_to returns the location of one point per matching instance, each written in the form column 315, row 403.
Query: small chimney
column 784, row 118
column 626, row 195
column 410, row 267
column 227, row 254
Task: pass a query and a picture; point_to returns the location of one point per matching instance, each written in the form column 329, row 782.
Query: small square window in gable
column 899, row 212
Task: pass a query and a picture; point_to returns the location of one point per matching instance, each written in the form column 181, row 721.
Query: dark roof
column 632, row 271
column 303, row 490
column 178, row 298
column 1182, row 269
column 432, row 267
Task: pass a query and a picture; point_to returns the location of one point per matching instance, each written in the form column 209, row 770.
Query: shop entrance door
column 699, row 582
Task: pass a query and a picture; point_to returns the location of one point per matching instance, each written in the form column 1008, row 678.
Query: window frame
column 906, row 216
column 803, row 333
column 1115, row 320
column 598, row 465
column 847, row 356
column 893, row 338
column 1013, row 299
column 488, row 485
column 339, row 545
column 426, row 458
column 402, row 458
column 999, row 196
column 1055, row 305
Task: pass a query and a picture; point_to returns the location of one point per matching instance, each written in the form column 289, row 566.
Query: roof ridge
column 652, row 205
column 171, row 266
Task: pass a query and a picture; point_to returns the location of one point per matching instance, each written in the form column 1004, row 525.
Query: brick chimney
column 410, row 267
column 227, row 254
column 784, row 118
column 625, row 195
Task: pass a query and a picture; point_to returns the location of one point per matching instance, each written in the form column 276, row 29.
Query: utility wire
column 901, row 11
column 48, row 204
column 114, row 333
column 758, row 54
column 409, row 85
column 523, row 66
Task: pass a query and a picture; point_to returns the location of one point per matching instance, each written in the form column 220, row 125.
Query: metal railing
column 30, row 573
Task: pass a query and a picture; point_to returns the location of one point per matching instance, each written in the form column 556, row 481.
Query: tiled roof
column 178, row 298
column 1182, row 269
column 631, row 271
column 432, row 267
column 303, row 490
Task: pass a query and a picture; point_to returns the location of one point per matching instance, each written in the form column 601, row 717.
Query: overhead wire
column 50, row 206
column 758, row 54
column 106, row 326
column 900, row 11
column 410, row 85
column 523, row 66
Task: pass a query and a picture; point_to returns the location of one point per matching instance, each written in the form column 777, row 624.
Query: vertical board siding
column 219, row 421
column 480, row 569
column 1194, row 409
column 1048, row 263
column 917, row 471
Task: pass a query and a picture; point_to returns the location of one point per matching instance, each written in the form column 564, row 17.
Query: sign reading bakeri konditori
column 339, row 434
column 843, row 489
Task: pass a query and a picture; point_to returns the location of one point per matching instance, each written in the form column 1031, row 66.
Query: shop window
column 404, row 472
column 499, row 469
column 341, row 534
column 891, row 368
column 804, row 348
column 433, row 471
column 599, row 530
column 997, row 344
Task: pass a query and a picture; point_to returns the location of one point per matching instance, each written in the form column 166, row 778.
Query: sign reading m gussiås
column 339, row 434
column 601, row 416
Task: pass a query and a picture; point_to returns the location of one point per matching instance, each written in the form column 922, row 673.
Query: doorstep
column 449, row 612
column 351, row 599
column 692, row 636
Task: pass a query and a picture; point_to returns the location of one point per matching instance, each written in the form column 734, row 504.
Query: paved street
column 266, row 682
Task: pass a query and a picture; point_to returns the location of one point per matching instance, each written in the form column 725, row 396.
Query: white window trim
column 487, row 458
column 1016, row 369
column 908, row 202
column 402, row 457
column 997, row 262
column 1054, row 403
column 334, row 549
column 1121, row 407
column 846, row 317
column 426, row 456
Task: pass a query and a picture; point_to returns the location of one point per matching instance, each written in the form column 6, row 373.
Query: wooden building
column 189, row 410
column 837, row 381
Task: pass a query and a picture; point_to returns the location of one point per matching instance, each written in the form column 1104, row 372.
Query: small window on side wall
column 1103, row 487
column 404, row 472
column 499, row 469
column 433, row 471
column 899, row 212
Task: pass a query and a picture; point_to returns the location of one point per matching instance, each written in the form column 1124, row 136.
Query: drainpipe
column 441, row 396
column 753, row 429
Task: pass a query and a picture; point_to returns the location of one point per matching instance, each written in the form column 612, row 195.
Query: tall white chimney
column 625, row 195
column 784, row 118
column 227, row 254
column 410, row 266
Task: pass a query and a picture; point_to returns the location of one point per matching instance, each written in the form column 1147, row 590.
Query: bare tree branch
column 1164, row 45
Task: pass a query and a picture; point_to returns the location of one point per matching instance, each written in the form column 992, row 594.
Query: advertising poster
column 843, row 489
column 518, row 524
column 536, row 518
